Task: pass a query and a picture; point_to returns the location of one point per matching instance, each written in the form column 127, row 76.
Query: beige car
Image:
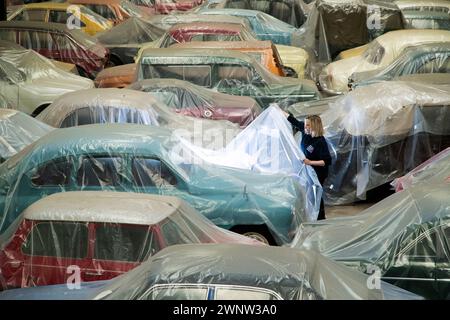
column 378, row 54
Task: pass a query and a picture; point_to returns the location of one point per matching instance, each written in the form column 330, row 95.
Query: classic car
column 380, row 53
column 17, row 130
column 418, row 59
column 125, row 39
column 105, row 234
column 124, row 157
column 56, row 41
column 166, row 6
column 116, row 77
column 195, row 101
column 226, row 272
column 265, row 26
column 263, row 51
column 29, row 82
column 296, row 58
column 115, row 11
column 405, row 238
column 229, row 72
column 89, row 21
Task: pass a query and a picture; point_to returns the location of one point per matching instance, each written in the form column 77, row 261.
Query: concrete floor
column 346, row 210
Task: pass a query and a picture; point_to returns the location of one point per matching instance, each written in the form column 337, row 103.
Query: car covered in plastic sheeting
column 112, row 105
column 379, row 132
column 166, row 6
column 116, row 77
column 125, row 39
column 56, row 41
column 334, row 78
column 226, row 272
column 136, row 158
column 405, row 238
column 30, row 82
column 115, row 11
column 89, row 21
column 188, row 99
column 293, row 12
column 437, row 168
column 225, row 71
column 17, row 130
column 263, row 51
column 419, row 59
column 266, row 27
column 105, row 234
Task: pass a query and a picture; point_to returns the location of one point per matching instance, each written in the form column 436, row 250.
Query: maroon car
column 56, row 41
column 195, row 101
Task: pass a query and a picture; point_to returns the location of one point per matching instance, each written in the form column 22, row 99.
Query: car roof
column 47, row 5
column 424, row 14
column 103, row 206
column 95, row 1
column 403, row 38
column 225, row 44
column 35, row 25
column 233, row 27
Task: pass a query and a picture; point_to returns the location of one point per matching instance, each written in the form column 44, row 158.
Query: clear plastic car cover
column 379, row 132
column 132, row 31
column 54, row 40
column 104, row 234
column 436, row 168
column 426, row 20
column 17, row 130
column 228, row 72
column 403, row 236
column 378, row 55
column 188, row 99
column 188, row 272
column 420, row 59
column 144, row 159
column 129, row 106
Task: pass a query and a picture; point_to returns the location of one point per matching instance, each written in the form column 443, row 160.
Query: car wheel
column 257, row 232
column 256, row 236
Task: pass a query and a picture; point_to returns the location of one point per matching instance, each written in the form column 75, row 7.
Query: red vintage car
column 99, row 235
column 166, row 6
column 56, row 41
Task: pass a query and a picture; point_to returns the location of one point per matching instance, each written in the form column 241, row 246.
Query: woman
column 315, row 148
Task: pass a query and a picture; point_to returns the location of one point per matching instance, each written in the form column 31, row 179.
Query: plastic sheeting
column 56, row 41
column 426, row 20
column 30, row 81
column 437, row 168
column 225, row 71
column 188, row 99
column 379, row 132
column 420, row 59
column 227, row 272
column 17, row 130
column 379, row 54
column 104, row 234
column 403, row 238
column 116, row 77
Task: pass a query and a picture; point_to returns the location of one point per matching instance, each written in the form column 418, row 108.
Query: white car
column 378, row 54
column 30, row 82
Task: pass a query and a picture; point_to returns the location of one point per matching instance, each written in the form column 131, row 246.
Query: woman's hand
column 307, row 161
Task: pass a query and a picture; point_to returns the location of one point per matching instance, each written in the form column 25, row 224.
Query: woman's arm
column 299, row 125
column 315, row 163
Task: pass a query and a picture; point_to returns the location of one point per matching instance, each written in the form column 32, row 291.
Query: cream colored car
column 378, row 54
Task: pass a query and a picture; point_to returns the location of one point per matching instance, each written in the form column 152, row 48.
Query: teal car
column 426, row 19
column 225, row 71
column 265, row 26
column 119, row 157
column 421, row 59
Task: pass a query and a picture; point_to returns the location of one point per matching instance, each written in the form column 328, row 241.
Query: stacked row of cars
column 167, row 130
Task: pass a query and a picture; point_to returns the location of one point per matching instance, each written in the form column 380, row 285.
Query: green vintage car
column 123, row 157
column 405, row 238
column 225, row 71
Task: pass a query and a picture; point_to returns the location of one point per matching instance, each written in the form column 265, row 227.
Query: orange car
column 116, row 77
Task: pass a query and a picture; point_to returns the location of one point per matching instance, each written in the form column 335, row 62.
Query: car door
column 414, row 268
column 443, row 265
column 54, row 251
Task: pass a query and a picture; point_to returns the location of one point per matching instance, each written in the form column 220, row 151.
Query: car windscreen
column 374, row 53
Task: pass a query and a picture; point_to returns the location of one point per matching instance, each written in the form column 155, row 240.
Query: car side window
column 8, row 35
column 103, row 10
column 241, row 293
column 57, row 239
column 131, row 243
column 59, row 16
column 176, row 292
column 100, row 171
column 234, row 74
column 33, row 15
column 53, row 173
column 152, row 172
column 424, row 246
column 435, row 64
column 173, row 234
column 196, row 74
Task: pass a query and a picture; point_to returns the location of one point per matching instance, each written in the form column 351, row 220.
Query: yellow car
column 89, row 21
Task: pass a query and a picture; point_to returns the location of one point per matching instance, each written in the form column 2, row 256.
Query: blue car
column 263, row 25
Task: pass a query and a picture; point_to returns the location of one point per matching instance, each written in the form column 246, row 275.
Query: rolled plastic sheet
column 188, row 99
column 401, row 237
column 101, row 234
column 227, row 271
column 436, row 168
column 17, row 131
column 144, row 159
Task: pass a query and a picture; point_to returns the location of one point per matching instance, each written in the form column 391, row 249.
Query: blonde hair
column 316, row 125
